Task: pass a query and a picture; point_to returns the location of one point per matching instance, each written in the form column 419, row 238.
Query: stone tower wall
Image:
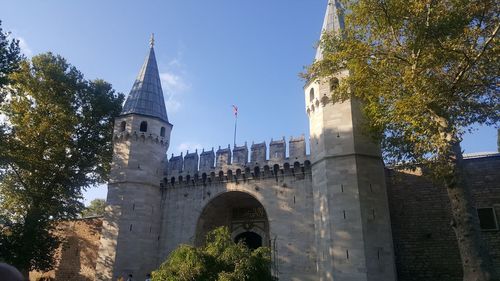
column 352, row 223
column 131, row 225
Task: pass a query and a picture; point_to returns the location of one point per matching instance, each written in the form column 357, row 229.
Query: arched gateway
column 242, row 213
column 326, row 213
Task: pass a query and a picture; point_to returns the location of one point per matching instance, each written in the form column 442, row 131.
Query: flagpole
column 235, row 124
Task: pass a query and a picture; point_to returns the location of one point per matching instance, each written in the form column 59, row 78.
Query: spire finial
column 333, row 22
column 152, row 40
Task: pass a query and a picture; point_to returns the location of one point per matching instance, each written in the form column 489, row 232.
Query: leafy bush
column 220, row 259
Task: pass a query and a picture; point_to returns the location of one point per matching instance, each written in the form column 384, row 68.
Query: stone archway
column 242, row 213
column 250, row 238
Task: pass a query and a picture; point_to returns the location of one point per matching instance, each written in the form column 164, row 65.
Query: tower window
column 334, row 84
column 123, row 125
column 487, row 218
column 162, row 131
column 311, row 94
column 144, row 126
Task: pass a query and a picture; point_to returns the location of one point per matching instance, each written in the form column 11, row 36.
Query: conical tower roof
column 146, row 96
column 334, row 21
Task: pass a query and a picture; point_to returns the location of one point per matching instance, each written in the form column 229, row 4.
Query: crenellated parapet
column 137, row 128
column 241, row 162
column 297, row 148
column 240, row 174
column 140, row 137
column 223, row 156
column 207, row 159
column 240, row 155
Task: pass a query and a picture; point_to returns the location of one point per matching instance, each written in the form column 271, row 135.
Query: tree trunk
column 476, row 261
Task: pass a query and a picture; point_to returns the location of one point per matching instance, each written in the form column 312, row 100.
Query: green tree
column 219, row 260
column 426, row 71
column 10, row 56
column 95, row 208
column 57, row 143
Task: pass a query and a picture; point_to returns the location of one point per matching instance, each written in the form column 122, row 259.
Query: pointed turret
column 334, row 21
column 146, row 96
column 141, row 138
column 348, row 179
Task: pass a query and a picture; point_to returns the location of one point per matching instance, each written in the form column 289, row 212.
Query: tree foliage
column 95, row 208
column 10, row 56
column 426, row 71
column 219, row 260
column 57, row 142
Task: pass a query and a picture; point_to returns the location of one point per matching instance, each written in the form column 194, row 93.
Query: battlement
column 140, row 136
column 225, row 159
column 237, row 173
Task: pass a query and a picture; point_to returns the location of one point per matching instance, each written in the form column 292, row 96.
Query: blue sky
column 211, row 54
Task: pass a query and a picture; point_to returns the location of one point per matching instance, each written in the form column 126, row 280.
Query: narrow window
column 311, row 94
column 162, row 131
column 123, row 125
column 144, row 126
column 256, row 172
column 487, row 219
column 334, row 84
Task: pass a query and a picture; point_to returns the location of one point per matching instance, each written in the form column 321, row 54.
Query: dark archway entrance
column 242, row 213
column 251, row 239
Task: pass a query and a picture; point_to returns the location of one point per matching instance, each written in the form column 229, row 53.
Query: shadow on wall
column 79, row 251
column 77, row 255
column 104, row 266
column 424, row 242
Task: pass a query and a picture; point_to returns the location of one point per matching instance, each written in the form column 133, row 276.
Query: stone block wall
column 425, row 245
column 76, row 257
column 286, row 196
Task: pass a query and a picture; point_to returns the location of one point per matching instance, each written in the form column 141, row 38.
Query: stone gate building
column 325, row 215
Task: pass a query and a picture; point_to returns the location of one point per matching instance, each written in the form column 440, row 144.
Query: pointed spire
column 146, row 96
column 334, row 21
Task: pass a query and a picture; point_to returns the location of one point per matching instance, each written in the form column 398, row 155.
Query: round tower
column 351, row 212
column 131, row 226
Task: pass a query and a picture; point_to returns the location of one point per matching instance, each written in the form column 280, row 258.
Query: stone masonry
column 325, row 215
column 424, row 244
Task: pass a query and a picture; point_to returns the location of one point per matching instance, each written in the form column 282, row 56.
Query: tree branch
column 18, row 176
column 476, row 58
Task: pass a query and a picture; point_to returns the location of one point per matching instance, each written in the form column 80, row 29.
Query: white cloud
column 185, row 146
column 25, row 48
column 174, row 84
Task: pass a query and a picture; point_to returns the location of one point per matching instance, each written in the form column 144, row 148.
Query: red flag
column 235, row 110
